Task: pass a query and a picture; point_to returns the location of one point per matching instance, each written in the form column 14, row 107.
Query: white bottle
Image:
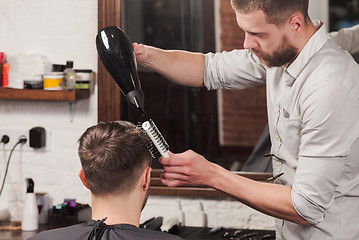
column 31, row 213
column 70, row 76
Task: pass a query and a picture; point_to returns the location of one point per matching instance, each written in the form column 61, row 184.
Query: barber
column 313, row 118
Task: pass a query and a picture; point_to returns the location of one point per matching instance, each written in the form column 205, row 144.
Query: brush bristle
column 150, row 146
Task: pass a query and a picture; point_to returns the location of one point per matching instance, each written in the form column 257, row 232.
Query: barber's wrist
column 151, row 54
column 215, row 176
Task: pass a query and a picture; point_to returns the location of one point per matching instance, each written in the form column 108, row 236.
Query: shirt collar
column 315, row 43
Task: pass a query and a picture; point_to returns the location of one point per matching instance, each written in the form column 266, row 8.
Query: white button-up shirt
column 313, row 118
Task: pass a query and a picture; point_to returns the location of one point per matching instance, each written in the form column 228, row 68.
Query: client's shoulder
column 78, row 231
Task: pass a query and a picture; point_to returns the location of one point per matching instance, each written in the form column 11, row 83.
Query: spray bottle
column 31, row 212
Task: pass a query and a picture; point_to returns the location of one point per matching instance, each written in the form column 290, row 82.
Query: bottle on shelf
column 5, row 74
column 2, row 62
column 70, row 76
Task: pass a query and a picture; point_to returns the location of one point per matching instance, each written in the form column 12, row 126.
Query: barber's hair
column 113, row 155
column 277, row 11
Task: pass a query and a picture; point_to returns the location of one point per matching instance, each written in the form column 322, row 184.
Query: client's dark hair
column 113, row 155
column 277, row 11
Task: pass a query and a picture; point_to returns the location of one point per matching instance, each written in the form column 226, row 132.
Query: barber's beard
column 285, row 54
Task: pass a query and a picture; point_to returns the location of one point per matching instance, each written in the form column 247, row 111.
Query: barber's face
column 284, row 54
column 268, row 42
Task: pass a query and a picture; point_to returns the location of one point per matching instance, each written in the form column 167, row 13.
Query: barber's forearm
column 271, row 199
column 182, row 67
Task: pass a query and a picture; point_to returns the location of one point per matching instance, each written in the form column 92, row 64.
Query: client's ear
column 83, row 178
column 146, row 178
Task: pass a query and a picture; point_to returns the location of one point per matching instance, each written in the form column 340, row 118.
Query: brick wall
column 224, row 212
column 59, row 30
column 232, row 37
column 242, row 112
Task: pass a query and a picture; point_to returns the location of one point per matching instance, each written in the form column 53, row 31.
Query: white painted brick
column 60, row 30
column 220, row 212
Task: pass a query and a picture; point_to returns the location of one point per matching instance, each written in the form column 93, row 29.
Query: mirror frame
column 157, row 188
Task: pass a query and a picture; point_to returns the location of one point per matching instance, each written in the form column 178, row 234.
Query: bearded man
column 313, row 118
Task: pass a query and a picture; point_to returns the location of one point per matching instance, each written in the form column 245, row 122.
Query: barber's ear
column 296, row 23
column 83, row 178
column 146, row 178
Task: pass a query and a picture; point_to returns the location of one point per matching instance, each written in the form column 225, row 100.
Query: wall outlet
column 14, row 135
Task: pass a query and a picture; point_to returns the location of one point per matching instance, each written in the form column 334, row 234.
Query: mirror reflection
column 207, row 122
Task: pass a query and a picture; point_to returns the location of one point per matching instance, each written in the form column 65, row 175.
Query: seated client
column 116, row 168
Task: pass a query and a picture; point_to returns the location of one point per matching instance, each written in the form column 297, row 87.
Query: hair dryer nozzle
column 117, row 55
column 136, row 99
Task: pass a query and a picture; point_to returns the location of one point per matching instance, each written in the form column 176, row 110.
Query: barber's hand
column 141, row 52
column 188, row 168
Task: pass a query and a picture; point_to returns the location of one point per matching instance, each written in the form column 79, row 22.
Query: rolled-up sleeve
column 237, row 69
column 314, row 188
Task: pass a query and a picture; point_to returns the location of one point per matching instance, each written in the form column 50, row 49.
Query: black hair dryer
column 117, row 55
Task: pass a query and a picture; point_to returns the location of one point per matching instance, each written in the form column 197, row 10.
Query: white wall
column 319, row 10
column 223, row 212
column 60, row 30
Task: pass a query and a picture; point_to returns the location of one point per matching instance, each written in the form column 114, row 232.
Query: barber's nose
column 249, row 42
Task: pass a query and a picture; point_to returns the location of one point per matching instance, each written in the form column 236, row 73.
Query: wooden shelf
column 40, row 94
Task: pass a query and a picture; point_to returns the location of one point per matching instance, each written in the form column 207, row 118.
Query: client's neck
column 119, row 209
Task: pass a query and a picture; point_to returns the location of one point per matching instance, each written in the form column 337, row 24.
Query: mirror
column 188, row 118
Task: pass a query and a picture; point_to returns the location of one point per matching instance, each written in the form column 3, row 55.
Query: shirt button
column 277, row 164
column 276, row 110
column 277, row 137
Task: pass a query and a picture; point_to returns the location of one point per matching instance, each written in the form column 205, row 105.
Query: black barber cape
column 98, row 230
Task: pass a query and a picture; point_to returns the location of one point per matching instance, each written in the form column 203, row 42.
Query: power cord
column 22, row 140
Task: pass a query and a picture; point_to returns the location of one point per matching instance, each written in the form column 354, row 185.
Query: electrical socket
column 15, row 134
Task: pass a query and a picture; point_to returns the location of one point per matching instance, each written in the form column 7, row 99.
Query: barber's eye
column 256, row 34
